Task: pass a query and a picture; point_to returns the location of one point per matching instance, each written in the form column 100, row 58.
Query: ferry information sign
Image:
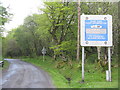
column 96, row 30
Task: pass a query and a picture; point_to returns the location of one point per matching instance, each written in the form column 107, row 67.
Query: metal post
column 82, row 64
column 43, row 57
column 109, row 63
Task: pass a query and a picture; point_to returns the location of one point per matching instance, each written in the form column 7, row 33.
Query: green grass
column 5, row 66
column 59, row 71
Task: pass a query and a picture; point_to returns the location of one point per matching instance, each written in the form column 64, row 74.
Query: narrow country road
column 24, row 75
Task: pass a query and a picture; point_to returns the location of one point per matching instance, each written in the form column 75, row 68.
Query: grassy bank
column 5, row 66
column 68, row 74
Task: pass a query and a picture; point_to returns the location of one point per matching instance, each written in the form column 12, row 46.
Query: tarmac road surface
column 24, row 75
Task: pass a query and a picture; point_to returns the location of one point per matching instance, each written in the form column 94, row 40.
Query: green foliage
column 29, row 37
column 4, row 17
column 56, row 30
column 5, row 66
column 65, row 49
column 90, row 59
column 62, row 19
column 10, row 46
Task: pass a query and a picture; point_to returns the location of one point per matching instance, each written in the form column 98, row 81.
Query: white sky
column 21, row 9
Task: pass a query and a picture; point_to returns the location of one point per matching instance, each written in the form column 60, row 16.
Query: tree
column 4, row 16
column 78, row 38
column 62, row 19
column 56, row 29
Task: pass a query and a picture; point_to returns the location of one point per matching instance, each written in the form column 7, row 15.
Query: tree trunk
column 99, row 52
column 78, row 37
column 105, row 57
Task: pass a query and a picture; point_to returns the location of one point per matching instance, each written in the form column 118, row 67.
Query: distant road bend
column 24, row 75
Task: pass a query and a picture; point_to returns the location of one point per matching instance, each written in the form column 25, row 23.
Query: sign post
column 43, row 52
column 83, row 56
column 109, row 63
column 96, row 30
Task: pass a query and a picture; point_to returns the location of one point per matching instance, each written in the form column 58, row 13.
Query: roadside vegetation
column 6, row 65
column 67, row 75
column 4, row 18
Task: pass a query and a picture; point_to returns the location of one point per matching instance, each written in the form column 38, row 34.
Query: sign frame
column 96, row 18
column 99, row 33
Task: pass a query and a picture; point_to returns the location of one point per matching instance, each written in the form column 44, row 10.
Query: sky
column 21, row 9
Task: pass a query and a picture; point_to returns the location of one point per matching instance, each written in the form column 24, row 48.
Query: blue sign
column 96, row 30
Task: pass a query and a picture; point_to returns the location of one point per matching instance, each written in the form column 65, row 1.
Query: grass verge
column 68, row 74
column 6, row 65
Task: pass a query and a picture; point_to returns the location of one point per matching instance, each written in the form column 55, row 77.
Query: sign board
column 96, row 30
column 43, row 51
